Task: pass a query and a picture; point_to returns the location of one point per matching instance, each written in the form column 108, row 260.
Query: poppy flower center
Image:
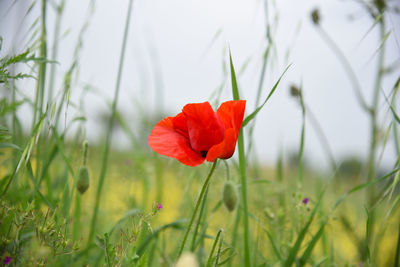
column 203, row 153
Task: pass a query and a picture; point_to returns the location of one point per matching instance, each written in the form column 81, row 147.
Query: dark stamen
column 203, row 153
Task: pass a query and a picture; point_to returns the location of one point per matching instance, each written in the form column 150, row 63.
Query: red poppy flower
column 199, row 133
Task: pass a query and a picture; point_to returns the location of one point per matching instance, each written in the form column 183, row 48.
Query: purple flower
column 6, row 260
column 159, row 206
column 305, row 201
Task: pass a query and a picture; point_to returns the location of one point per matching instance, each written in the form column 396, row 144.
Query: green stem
column 374, row 134
column 38, row 104
column 322, row 137
column 41, row 82
column 199, row 200
column 234, row 237
column 109, row 130
column 196, row 229
column 262, row 77
column 243, row 180
column 59, row 9
column 397, row 257
column 347, row 66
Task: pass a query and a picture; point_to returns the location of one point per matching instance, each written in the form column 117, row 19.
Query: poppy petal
column 165, row 140
column 180, row 124
column 225, row 149
column 232, row 113
column 205, row 128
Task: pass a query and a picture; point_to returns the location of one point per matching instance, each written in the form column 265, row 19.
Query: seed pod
column 230, row 196
column 83, row 180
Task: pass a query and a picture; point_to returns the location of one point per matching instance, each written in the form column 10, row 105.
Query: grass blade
column 210, row 257
column 307, row 253
column 295, row 249
column 242, row 169
column 254, row 113
column 274, row 247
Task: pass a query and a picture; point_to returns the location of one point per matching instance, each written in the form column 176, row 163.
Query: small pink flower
column 159, row 206
column 6, row 260
column 305, row 201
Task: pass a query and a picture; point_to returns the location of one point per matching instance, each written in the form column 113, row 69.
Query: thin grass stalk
column 395, row 123
column 59, row 9
column 374, row 135
column 234, row 236
column 159, row 179
column 77, row 218
column 397, row 256
column 38, row 104
column 301, row 149
column 39, row 100
column 219, row 250
column 347, row 66
column 109, row 130
column 199, row 200
column 242, row 169
column 193, row 245
column 322, row 137
column 262, row 75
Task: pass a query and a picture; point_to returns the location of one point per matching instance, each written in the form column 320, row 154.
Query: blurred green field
column 68, row 200
column 277, row 213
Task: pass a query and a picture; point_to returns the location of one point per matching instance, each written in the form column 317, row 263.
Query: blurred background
column 178, row 53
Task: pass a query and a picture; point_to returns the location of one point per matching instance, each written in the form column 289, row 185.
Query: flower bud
column 230, row 195
column 83, row 180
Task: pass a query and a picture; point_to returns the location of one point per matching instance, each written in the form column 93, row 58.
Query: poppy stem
column 203, row 190
column 243, row 180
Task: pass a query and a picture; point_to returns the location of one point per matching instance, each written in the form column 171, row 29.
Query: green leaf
column 254, row 113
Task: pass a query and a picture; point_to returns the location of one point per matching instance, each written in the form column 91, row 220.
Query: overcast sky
column 179, row 47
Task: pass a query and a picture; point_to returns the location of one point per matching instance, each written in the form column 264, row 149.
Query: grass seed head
column 315, row 17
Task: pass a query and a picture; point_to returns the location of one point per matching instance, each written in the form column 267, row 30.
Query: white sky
column 171, row 48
